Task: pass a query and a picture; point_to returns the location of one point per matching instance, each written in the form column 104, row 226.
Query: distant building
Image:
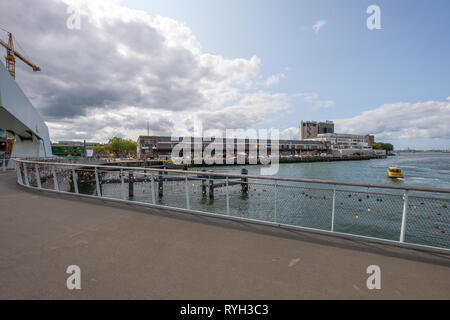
column 310, row 129
column 345, row 144
column 158, row 146
column 369, row 139
column 77, row 143
column 154, row 146
column 73, row 148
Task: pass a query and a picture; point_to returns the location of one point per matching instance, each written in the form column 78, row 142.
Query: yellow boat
column 395, row 172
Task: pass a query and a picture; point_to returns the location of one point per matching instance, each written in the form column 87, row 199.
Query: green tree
column 118, row 146
column 382, row 146
column 99, row 149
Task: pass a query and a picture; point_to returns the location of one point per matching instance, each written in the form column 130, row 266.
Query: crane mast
column 11, row 55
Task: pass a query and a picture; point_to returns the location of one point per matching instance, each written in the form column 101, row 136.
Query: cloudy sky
column 235, row 64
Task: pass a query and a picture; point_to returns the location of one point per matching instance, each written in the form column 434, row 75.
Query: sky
column 236, row 64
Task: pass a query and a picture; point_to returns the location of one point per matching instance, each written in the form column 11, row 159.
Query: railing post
column 188, row 205
column 25, row 173
column 160, row 184
column 75, row 181
column 333, row 209
column 55, row 180
column 152, row 179
column 228, row 197
column 38, row 176
column 405, row 208
column 130, row 185
column 211, row 187
column 122, row 185
column 204, row 183
column 276, row 200
column 19, row 173
column 97, row 183
column 244, row 184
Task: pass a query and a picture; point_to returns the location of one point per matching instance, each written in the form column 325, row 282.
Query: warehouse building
column 162, row 146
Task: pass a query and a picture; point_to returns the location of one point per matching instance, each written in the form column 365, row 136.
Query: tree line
column 117, row 146
column 382, row 146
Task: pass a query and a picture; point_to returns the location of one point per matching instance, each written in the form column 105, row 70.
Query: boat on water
column 395, row 172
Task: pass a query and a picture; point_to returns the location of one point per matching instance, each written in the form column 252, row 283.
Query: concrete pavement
column 131, row 252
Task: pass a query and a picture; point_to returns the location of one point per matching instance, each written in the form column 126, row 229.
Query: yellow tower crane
column 10, row 57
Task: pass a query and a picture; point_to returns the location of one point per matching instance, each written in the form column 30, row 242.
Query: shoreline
column 152, row 162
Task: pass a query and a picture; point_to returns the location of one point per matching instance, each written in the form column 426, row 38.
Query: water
column 420, row 169
column 375, row 212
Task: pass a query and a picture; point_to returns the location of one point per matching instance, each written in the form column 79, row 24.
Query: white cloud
column 124, row 67
column 274, row 79
column 291, row 133
column 251, row 110
column 313, row 98
column 319, row 25
column 402, row 120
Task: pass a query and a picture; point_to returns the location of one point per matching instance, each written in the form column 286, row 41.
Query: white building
column 345, row 144
column 19, row 118
column 310, row 129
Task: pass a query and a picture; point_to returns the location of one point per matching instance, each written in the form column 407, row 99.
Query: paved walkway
column 139, row 253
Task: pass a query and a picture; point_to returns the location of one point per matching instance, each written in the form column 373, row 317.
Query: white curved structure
column 19, row 117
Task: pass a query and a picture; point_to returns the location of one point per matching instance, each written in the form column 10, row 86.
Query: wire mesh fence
column 254, row 200
column 368, row 214
column 306, row 206
column 428, row 221
column 378, row 212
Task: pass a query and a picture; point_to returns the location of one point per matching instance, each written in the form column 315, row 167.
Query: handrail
column 28, row 175
column 272, row 178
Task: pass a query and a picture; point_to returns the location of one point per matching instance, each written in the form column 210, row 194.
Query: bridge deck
column 134, row 252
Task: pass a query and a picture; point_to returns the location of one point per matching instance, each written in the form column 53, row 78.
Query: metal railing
column 406, row 215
